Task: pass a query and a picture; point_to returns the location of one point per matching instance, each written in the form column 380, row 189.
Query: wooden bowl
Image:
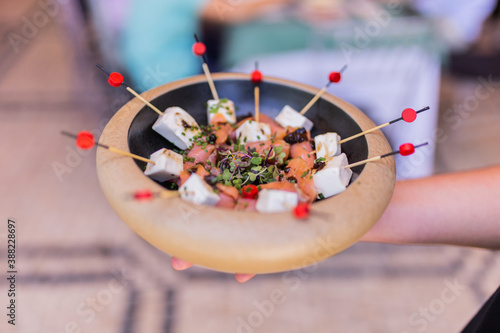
column 235, row 241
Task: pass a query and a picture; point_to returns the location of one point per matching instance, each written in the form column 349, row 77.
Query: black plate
column 326, row 117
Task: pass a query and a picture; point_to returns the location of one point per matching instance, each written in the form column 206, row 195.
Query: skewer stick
column 363, row 133
column 199, row 49
column 315, row 99
column 256, row 92
column 147, row 195
column 85, row 140
column 256, row 78
column 210, row 81
column 408, row 115
column 116, row 79
column 405, row 150
column 155, row 109
column 334, row 77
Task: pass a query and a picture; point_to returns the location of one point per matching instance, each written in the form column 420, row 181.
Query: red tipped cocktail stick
column 334, row 77
column 85, row 140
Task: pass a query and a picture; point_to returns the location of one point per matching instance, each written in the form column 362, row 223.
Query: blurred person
column 158, row 35
column 450, row 209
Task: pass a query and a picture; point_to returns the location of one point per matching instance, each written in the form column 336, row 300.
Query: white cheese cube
column 327, row 145
column 276, row 201
column 168, row 165
column 177, row 126
column 224, row 107
column 333, row 178
column 288, row 117
column 252, row 131
column 195, row 190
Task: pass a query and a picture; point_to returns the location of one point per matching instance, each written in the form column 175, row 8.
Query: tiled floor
column 82, row 270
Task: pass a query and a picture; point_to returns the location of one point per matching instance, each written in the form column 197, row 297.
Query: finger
column 242, row 278
column 179, row 264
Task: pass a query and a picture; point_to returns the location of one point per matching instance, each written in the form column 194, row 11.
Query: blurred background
column 82, row 270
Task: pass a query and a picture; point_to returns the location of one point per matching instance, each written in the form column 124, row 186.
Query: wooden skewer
column 256, row 78
column 168, row 194
column 410, row 113
column 137, row 157
column 117, row 80
column 147, row 195
column 257, row 98
column 373, row 159
column 334, row 77
column 155, row 109
column 363, row 133
column 315, row 99
column 201, row 52
column 405, row 150
column 89, row 143
column 210, row 81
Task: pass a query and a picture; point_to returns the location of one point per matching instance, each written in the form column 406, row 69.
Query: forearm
column 459, row 209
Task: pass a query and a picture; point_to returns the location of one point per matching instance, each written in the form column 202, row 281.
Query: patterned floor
column 82, row 270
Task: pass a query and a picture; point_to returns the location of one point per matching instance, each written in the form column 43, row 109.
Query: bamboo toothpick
column 256, row 78
column 200, row 49
column 408, row 115
column 315, row 99
column 363, row 133
column 90, row 143
column 155, row 109
column 405, row 150
column 256, row 91
column 116, row 79
column 334, row 77
column 210, row 81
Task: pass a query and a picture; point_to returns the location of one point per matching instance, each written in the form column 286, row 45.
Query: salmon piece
column 200, row 154
column 212, row 167
column 283, row 186
column 184, row 175
column 217, row 119
column 228, row 190
column 225, row 201
column 201, row 171
column 222, row 132
column 297, row 168
column 303, row 150
column 247, row 205
column 276, row 130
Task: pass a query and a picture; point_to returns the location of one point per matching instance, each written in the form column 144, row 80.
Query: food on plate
column 248, row 165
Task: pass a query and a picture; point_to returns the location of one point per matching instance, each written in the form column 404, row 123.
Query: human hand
column 181, row 265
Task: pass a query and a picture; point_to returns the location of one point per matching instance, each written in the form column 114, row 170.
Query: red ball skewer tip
column 335, row 77
column 256, row 76
column 301, row 211
column 409, row 115
column 199, row 48
column 115, row 79
column 249, row 191
column 85, row 140
column 406, row 149
column 143, row 195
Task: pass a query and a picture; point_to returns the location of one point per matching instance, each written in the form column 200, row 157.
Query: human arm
column 457, row 209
